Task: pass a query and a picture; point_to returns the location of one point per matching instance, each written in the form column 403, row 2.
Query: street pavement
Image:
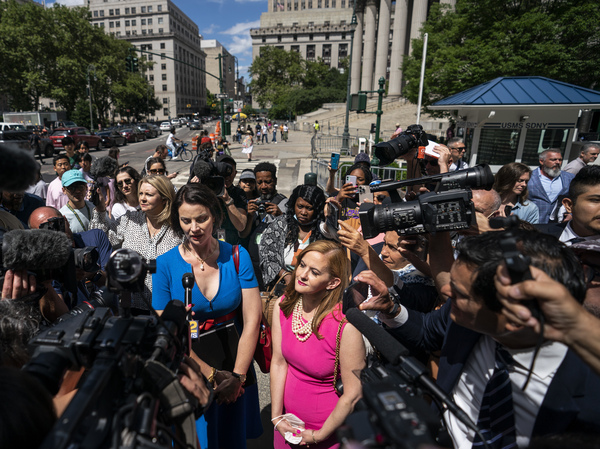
column 292, row 159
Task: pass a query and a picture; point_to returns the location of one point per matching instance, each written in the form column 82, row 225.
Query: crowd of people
column 447, row 296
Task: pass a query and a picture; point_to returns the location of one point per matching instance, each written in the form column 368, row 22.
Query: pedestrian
column 317, row 126
column 34, row 143
column 274, row 140
column 264, row 132
column 248, row 145
column 284, row 132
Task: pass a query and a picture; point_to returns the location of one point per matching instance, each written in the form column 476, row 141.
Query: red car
column 78, row 134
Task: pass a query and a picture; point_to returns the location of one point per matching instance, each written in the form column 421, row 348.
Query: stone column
column 383, row 41
column 369, row 45
column 419, row 16
column 398, row 45
column 357, row 54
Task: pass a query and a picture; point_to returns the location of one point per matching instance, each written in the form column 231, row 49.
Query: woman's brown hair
column 338, row 267
column 507, row 177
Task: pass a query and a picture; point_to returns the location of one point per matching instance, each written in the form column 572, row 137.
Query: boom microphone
column 203, row 170
column 35, row 249
column 104, row 166
column 18, row 169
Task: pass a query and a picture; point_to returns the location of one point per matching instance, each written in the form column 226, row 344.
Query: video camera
column 131, row 395
column 447, row 208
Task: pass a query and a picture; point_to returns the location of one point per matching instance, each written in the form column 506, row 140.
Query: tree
column 484, row 39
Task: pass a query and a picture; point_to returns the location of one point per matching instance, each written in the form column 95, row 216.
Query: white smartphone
column 351, row 179
column 364, row 193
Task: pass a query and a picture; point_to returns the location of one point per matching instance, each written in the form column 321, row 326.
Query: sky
column 228, row 21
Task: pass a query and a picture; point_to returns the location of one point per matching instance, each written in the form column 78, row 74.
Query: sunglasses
column 432, row 162
column 157, row 172
column 127, row 182
column 459, row 149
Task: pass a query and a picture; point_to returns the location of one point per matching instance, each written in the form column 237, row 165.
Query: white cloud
column 240, row 28
column 240, row 45
column 69, row 2
column 210, row 30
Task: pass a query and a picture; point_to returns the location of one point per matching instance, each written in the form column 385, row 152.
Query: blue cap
column 71, row 177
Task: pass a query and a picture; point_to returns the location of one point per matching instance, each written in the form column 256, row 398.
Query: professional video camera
column 413, row 137
column 212, row 174
column 447, row 208
column 131, row 395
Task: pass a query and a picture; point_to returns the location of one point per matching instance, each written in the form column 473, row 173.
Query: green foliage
column 248, row 110
column 292, row 85
column 48, row 52
column 485, row 39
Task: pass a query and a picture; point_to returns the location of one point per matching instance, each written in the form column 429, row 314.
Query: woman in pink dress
column 304, row 350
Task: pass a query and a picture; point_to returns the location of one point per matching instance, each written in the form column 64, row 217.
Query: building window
column 143, row 31
column 333, row 3
column 326, row 3
column 162, row 45
column 111, row 24
column 498, row 146
column 102, row 25
column 150, row 66
column 127, row 23
column 164, row 87
column 538, row 140
column 310, row 37
column 95, row 13
column 342, row 51
column 127, row 33
column 118, row 34
column 264, row 39
column 149, row 8
column 102, row 13
column 279, row 38
column 126, row 10
column 319, row 4
column 118, row 23
column 132, row 10
column 163, row 66
column 151, row 77
column 327, row 51
column 149, row 21
column 326, row 36
column 164, row 77
column 143, row 10
column 343, row 36
column 165, row 112
column 133, row 23
column 111, row 12
column 117, row 12
column 311, row 24
column 310, row 52
column 162, row 56
column 343, row 3
column 326, row 23
column 160, row 31
column 303, row 5
column 295, row 48
column 160, row 20
column 143, row 21
column 295, row 38
column 159, row 8
column 134, row 32
column 165, row 101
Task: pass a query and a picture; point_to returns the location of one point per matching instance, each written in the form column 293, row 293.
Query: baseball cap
column 248, row 173
column 71, row 177
column 227, row 159
column 362, row 157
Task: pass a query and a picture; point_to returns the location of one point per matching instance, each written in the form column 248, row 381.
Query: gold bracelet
column 211, row 378
column 313, row 435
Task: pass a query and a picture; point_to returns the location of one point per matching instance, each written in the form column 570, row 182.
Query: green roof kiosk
column 515, row 118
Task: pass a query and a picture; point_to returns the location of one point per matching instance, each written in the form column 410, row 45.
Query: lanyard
column 77, row 215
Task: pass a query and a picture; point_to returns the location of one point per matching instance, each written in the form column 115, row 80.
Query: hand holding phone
column 335, row 161
column 351, row 179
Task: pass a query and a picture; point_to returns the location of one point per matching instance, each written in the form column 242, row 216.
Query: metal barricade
column 320, row 144
column 321, row 168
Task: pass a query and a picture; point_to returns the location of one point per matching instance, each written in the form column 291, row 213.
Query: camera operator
column 476, row 339
column 87, row 282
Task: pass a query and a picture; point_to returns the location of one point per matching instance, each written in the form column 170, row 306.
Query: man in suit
column 583, row 206
column 548, row 182
column 562, row 391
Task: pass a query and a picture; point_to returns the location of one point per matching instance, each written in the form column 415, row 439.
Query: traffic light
column 373, row 128
column 128, row 61
column 134, row 64
column 358, row 102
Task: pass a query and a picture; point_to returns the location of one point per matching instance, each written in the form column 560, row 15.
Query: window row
column 117, row 11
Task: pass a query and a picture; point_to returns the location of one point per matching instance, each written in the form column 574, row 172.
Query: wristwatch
column 241, row 377
column 230, row 202
column 394, row 292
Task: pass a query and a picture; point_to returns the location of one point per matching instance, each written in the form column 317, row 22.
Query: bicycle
column 182, row 152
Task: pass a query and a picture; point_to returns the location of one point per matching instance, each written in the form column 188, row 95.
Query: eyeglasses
column 459, row 149
column 127, row 182
column 158, row 172
column 432, row 162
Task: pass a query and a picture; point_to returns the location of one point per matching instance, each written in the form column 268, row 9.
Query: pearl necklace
column 297, row 327
column 200, row 258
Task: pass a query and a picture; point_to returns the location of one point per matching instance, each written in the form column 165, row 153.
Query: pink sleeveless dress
column 309, row 392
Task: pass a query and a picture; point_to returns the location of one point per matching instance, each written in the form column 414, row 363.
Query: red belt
column 206, row 325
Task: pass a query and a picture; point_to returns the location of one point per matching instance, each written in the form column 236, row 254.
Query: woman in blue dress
column 223, row 293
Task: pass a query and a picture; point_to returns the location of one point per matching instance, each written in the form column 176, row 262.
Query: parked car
column 78, row 134
column 112, row 138
column 133, row 134
column 156, row 128
column 165, row 126
column 150, row 132
column 195, row 125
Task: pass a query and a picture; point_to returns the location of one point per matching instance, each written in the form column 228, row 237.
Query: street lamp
column 91, row 68
column 346, row 134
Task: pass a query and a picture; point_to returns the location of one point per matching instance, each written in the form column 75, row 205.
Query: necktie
column 496, row 415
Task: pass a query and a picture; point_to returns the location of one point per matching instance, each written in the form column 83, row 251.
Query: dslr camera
column 413, row 137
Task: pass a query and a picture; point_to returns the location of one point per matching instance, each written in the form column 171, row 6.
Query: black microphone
column 18, row 169
column 411, row 369
column 188, row 283
column 103, row 166
column 35, row 249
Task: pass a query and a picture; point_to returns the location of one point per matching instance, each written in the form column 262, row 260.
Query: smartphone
column 364, row 193
column 333, row 216
column 351, row 179
column 355, row 294
column 335, row 161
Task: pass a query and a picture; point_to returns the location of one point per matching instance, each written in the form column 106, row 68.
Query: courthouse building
column 321, row 29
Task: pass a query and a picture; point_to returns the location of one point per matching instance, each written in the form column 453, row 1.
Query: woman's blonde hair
column 337, row 266
column 165, row 190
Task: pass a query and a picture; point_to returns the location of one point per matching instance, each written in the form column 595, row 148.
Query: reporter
column 126, row 196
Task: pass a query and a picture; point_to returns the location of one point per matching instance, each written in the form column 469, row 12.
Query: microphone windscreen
column 188, row 280
column 35, row 249
column 202, row 170
column 175, row 313
column 103, row 166
column 17, row 169
column 387, row 345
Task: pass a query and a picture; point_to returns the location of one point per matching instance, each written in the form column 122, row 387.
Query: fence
column 320, row 144
column 321, row 168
